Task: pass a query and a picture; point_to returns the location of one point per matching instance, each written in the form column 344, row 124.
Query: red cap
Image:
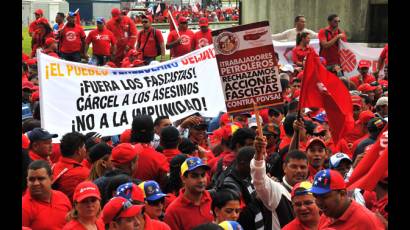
column 365, row 117
column 39, row 11
column 115, row 13
column 326, row 181
column 27, row 85
column 366, row 87
column 149, row 17
column 25, row 142
column 182, row 19
column 119, row 207
column 49, row 41
column 35, row 96
column 357, row 100
column 32, row 61
column 224, row 119
column 86, row 189
column 125, row 136
column 203, row 22
column 124, row 153
column 364, row 63
column 315, row 139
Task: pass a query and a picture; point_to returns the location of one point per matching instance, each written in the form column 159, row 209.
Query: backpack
column 157, row 45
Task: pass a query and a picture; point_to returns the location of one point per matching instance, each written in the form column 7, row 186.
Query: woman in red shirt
column 302, row 48
column 86, row 208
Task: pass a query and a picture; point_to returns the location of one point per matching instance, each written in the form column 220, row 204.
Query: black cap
column 98, row 151
column 375, row 125
column 40, row 134
column 169, row 134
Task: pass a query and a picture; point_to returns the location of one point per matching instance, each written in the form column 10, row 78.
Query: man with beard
column 193, row 205
column 306, row 210
column 339, row 211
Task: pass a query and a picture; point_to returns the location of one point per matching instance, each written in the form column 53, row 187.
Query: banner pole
column 258, row 122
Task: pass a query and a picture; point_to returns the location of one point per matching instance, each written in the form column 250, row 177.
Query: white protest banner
column 84, row 98
column 284, row 50
column 245, row 58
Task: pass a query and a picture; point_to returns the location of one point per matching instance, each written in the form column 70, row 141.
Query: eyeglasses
column 156, row 202
column 197, row 175
column 305, row 203
column 126, row 205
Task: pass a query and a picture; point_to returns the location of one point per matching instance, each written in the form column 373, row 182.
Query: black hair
column 208, row 226
column 175, row 182
column 298, row 17
column 245, row 154
column 113, row 183
column 288, row 123
column 221, row 197
column 159, row 119
column 331, row 17
column 284, row 83
column 187, row 146
column 309, row 126
column 36, row 111
column 39, row 164
column 30, row 124
column 293, row 105
column 301, row 36
column 70, row 143
column 61, row 14
column 295, row 154
column 240, row 136
column 142, row 129
column 275, row 112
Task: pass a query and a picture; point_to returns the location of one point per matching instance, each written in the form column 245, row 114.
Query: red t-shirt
column 298, row 53
column 186, row 45
column 202, row 39
column 295, row 224
column 170, row 153
column 366, row 79
column 331, row 54
column 152, row 165
column 102, row 41
column 355, row 217
column 71, row 39
column 150, row 49
column 32, row 27
column 76, row 174
column 43, row 215
column 125, row 32
column 151, row 224
column 76, row 225
column 183, row 214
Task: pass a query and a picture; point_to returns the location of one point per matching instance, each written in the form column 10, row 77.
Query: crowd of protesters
column 199, row 172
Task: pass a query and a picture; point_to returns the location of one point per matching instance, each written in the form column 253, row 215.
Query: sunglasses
column 304, row 203
column 126, row 205
column 156, row 202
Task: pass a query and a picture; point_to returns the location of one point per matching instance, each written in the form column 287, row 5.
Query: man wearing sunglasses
column 150, row 41
column 193, row 205
column 182, row 43
column 306, row 210
column 154, row 199
column 329, row 43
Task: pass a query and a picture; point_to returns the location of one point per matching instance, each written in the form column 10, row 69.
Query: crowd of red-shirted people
column 201, row 172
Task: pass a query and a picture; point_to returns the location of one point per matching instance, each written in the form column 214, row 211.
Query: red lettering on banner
column 207, row 54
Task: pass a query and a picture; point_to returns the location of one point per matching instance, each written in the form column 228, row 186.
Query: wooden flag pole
column 258, row 122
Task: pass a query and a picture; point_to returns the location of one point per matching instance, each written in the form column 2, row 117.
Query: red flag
column 370, row 157
column 77, row 17
column 376, row 173
column 322, row 89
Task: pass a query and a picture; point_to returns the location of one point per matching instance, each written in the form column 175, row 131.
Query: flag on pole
column 322, row 89
column 77, row 17
column 173, row 25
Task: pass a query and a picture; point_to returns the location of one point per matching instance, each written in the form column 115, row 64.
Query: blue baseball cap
column 152, row 191
column 100, row 20
column 71, row 14
column 321, row 117
column 131, row 192
column 230, row 225
column 191, row 164
column 326, row 181
column 40, row 134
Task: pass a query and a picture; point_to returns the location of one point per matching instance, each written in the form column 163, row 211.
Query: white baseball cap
column 336, row 158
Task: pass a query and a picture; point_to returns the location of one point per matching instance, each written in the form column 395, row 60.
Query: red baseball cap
column 315, row 139
column 27, row 85
column 326, row 181
column 149, row 17
column 25, row 142
column 182, row 19
column 39, row 11
column 49, row 41
column 357, row 100
column 364, row 63
column 225, row 119
column 203, row 22
column 86, row 189
column 366, row 87
column 124, row 153
column 115, row 13
column 125, row 136
column 119, row 207
column 301, row 188
column 365, row 117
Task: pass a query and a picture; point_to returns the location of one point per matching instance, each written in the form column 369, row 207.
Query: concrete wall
column 354, row 14
column 103, row 9
column 50, row 8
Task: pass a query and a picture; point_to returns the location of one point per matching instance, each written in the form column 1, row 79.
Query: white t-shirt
column 290, row 35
